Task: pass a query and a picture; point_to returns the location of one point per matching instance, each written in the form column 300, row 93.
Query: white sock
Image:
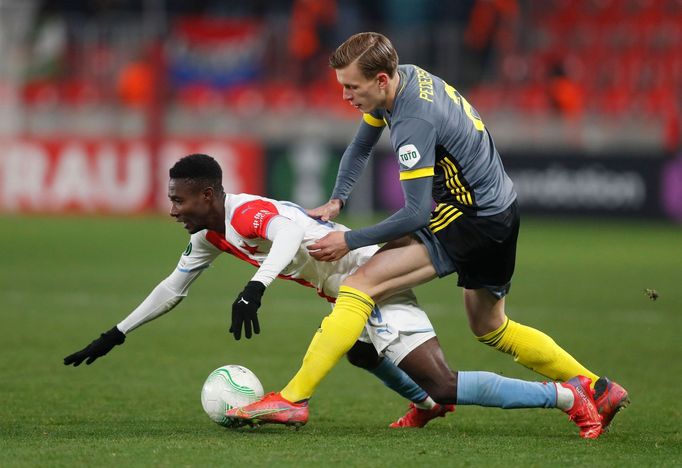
column 564, row 397
column 426, row 404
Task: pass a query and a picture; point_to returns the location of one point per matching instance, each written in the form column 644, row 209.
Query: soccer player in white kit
column 273, row 236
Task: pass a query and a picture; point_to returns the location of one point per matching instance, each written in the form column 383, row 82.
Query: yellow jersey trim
column 373, row 121
column 452, row 182
column 417, row 173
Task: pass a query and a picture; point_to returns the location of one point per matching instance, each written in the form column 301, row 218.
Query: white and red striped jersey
column 273, row 236
column 247, row 218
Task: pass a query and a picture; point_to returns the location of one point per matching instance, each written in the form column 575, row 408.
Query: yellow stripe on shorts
column 441, row 211
column 445, row 222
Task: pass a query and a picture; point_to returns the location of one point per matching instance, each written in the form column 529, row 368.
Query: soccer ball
column 229, row 387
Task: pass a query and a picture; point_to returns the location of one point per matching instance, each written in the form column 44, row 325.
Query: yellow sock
column 337, row 334
column 536, row 351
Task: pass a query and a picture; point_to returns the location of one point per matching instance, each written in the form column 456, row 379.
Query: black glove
column 97, row 348
column 245, row 310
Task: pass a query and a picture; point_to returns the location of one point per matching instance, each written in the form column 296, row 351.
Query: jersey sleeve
column 251, row 219
column 415, row 145
column 286, row 237
column 414, row 140
column 357, row 154
column 170, row 292
column 410, row 218
column 198, row 255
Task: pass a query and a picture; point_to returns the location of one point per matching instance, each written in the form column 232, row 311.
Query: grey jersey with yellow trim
column 436, row 132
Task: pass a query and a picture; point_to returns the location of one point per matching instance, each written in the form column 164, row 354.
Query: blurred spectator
column 310, row 33
column 48, row 47
column 135, row 85
column 566, row 95
column 490, row 26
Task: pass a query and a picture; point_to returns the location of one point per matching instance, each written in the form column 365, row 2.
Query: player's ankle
column 426, row 404
column 564, row 397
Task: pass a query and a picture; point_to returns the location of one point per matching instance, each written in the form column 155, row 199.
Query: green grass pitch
column 65, row 280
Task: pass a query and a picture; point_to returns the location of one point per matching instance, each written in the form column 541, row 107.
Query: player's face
column 365, row 94
column 190, row 206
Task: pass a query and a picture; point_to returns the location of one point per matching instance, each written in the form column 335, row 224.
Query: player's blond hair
column 373, row 52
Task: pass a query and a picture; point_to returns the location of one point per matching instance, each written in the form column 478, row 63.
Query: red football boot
column 609, row 398
column 584, row 411
column 271, row 409
column 416, row 417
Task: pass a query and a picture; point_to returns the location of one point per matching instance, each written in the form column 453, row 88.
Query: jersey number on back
column 468, row 110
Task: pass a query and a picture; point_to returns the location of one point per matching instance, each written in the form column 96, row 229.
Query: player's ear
column 208, row 193
column 383, row 79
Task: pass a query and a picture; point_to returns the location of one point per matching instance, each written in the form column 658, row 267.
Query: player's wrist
column 115, row 335
column 254, row 289
column 338, row 202
column 348, row 238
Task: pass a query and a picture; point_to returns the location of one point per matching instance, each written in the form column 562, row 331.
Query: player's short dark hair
column 200, row 170
column 373, row 51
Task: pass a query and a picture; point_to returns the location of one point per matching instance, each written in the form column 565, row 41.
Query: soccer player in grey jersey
column 447, row 155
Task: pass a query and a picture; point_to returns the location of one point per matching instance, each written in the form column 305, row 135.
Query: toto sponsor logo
column 586, row 187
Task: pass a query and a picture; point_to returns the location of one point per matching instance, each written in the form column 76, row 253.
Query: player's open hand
column 245, row 310
column 329, row 210
column 330, row 248
column 97, row 348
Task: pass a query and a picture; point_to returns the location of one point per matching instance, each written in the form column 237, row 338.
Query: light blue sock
column 397, row 380
column 488, row 389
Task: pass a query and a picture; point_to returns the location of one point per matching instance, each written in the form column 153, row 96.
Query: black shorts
column 481, row 249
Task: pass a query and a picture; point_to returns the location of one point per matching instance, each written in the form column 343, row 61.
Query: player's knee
column 358, row 281
column 485, row 312
column 364, row 281
column 363, row 355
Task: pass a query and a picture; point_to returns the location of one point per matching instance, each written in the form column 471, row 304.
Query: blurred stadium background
column 98, row 97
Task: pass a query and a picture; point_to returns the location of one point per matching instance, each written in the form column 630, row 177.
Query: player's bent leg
column 397, row 266
column 426, row 364
column 529, row 347
column 484, row 311
column 336, row 335
column 364, row 355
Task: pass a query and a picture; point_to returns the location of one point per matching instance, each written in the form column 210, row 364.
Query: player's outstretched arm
column 163, row 298
column 97, row 348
